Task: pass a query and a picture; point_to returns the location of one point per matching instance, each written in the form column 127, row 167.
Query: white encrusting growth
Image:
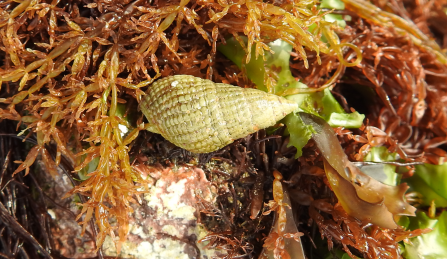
column 169, row 217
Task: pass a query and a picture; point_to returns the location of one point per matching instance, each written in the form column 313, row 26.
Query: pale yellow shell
column 202, row 116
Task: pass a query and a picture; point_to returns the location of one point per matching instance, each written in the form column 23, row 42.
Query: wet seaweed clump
column 72, row 74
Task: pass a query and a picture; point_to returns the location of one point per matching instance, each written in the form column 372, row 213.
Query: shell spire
column 202, row 116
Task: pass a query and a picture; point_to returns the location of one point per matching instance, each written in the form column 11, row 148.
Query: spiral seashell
column 202, row 116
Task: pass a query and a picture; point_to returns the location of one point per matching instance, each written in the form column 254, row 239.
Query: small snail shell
column 202, row 116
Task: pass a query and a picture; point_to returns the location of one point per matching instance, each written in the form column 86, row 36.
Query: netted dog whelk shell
column 202, row 116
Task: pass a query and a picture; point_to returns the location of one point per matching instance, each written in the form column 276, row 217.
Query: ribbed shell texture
column 202, row 116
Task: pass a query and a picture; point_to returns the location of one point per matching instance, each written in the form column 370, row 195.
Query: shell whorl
column 202, row 116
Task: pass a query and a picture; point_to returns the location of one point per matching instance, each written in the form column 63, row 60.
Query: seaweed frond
column 67, row 68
